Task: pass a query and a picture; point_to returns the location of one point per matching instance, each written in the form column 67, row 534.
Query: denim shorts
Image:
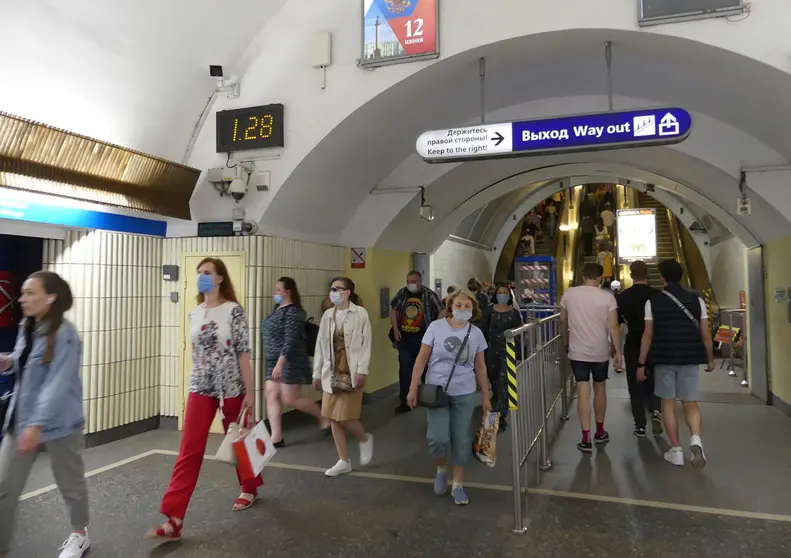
column 677, row 381
column 584, row 371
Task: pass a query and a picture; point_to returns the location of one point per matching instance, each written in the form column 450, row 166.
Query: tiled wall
column 131, row 330
column 115, row 279
column 267, row 259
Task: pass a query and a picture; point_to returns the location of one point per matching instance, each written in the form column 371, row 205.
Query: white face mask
column 462, row 316
column 336, row 298
column 412, row 287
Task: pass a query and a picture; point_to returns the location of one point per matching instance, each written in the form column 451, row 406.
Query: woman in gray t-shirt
column 453, row 346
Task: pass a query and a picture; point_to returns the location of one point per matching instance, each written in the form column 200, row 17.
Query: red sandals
column 168, row 531
column 242, row 504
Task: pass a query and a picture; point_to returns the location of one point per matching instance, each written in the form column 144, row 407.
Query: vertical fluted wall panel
column 267, row 259
column 117, row 312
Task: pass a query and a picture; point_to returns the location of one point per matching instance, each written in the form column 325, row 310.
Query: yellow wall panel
column 131, row 331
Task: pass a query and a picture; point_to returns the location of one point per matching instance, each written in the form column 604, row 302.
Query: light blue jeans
column 450, row 428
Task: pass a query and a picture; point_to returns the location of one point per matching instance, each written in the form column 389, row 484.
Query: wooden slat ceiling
column 39, row 158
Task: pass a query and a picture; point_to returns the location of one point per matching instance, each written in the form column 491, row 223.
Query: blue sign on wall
column 20, row 210
column 585, row 132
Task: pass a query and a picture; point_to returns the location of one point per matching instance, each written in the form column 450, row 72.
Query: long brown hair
column 53, row 284
column 227, row 292
column 349, row 284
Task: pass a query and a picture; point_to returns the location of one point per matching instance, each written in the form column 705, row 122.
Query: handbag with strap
column 432, row 396
column 226, row 453
column 683, row 308
column 339, row 383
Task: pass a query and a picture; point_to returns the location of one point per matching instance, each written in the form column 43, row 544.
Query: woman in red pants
column 221, row 379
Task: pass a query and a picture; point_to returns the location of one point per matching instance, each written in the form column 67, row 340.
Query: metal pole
column 731, row 371
column 564, row 387
column 482, row 74
column 513, row 406
column 608, row 58
column 544, row 463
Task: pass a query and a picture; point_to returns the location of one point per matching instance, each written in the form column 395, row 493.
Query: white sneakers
column 75, row 546
column 675, row 456
column 698, row 457
column 340, row 468
column 367, row 451
column 343, row 467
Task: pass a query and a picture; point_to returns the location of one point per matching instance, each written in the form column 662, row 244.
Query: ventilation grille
column 40, row 158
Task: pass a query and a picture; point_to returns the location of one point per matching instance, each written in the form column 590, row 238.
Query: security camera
column 216, row 72
column 650, row 188
column 237, row 189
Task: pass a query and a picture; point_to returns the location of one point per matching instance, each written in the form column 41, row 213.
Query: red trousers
column 197, row 421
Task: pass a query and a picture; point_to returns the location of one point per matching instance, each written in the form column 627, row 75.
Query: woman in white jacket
column 340, row 366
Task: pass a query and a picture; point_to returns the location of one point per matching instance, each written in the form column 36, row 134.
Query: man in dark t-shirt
column 631, row 309
column 412, row 309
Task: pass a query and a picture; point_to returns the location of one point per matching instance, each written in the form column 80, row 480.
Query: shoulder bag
column 683, row 308
column 431, row 396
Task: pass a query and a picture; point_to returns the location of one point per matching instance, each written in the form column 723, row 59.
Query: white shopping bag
column 253, row 449
column 225, row 453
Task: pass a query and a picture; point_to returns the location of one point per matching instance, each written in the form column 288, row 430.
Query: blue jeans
column 451, row 428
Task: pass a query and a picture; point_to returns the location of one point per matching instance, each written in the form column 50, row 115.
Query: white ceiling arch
column 559, row 73
column 471, row 185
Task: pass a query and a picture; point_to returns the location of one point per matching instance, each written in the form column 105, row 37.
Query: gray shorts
column 677, row 381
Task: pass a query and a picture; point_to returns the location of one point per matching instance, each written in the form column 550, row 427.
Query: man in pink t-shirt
column 589, row 325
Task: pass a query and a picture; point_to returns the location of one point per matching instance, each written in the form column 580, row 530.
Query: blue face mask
column 278, row 299
column 462, row 316
column 503, row 298
column 205, row 283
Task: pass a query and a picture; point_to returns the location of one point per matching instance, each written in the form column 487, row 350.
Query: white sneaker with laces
column 340, row 468
column 698, row 457
column 367, row 451
column 675, row 456
column 75, row 546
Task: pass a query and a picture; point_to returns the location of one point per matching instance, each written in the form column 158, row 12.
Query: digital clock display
column 250, row 128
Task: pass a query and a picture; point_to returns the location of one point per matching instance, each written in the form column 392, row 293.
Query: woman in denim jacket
column 46, row 408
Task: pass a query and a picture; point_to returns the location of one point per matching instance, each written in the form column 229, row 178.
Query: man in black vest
column 631, row 307
column 679, row 340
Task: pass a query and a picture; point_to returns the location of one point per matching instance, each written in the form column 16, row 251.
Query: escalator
column 668, row 242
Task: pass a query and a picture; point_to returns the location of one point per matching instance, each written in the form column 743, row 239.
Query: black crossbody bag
column 431, row 396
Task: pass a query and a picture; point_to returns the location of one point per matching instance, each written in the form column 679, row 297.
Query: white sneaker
column 367, row 451
column 675, row 456
column 698, row 457
column 75, row 546
column 340, row 468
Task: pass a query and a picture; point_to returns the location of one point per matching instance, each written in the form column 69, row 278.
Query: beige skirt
column 342, row 406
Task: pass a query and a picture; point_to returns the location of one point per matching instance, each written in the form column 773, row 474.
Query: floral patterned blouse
column 218, row 335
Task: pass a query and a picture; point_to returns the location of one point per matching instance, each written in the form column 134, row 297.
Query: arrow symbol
column 498, row 138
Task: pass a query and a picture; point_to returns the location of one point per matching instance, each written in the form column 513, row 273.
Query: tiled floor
column 624, row 499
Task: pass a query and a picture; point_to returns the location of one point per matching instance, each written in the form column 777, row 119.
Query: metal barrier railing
column 534, row 312
column 735, row 320
column 539, row 377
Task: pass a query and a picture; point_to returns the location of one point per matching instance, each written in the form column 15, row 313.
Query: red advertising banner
column 399, row 31
column 7, row 299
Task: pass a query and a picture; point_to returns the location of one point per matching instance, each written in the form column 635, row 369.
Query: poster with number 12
column 399, row 31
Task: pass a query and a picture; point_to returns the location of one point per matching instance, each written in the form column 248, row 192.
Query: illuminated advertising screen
column 399, row 31
column 636, row 235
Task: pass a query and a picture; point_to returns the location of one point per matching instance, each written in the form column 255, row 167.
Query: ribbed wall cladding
column 131, row 330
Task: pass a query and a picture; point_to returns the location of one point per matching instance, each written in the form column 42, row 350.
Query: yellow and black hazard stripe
column 707, row 298
column 510, row 360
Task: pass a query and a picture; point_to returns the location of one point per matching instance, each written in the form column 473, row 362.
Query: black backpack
column 311, row 336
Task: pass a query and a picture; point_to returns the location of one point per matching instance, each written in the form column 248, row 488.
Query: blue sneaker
column 460, row 497
column 441, row 483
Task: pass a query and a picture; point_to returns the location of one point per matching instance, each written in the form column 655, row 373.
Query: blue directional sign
column 19, row 209
column 585, row 132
